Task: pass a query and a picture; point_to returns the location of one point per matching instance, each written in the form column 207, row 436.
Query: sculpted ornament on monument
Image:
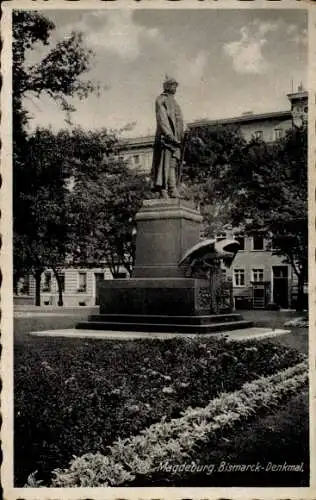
column 168, row 146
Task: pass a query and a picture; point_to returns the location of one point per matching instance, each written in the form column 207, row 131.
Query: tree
column 206, row 162
column 255, row 186
column 269, row 187
column 41, row 237
column 58, row 75
column 105, row 197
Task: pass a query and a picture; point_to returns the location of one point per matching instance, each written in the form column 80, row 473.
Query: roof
column 246, row 118
column 136, row 142
column 302, row 94
column 148, row 140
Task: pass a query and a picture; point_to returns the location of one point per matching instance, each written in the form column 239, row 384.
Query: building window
column 257, row 275
column 82, row 282
column 239, row 277
column 47, row 286
column 277, row 133
column 241, row 241
column 259, row 135
column 280, row 271
column 136, row 159
column 257, row 242
column 24, row 285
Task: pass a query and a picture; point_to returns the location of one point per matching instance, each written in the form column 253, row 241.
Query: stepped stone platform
column 233, row 336
column 163, row 323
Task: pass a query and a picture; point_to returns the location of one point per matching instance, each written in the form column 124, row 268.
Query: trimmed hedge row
column 78, row 396
column 176, row 440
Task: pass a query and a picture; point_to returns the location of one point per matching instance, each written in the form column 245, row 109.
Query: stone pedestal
column 166, row 229
column 152, row 296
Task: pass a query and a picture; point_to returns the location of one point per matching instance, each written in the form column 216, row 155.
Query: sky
column 227, row 62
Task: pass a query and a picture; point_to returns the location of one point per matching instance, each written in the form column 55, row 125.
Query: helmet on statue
column 169, row 81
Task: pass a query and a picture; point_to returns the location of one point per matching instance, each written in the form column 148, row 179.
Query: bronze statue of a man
column 168, row 142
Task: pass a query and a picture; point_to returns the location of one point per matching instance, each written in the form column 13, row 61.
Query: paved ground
column 260, row 317
column 26, row 311
column 28, row 319
column 277, row 319
column 236, row 335
column 39, row 314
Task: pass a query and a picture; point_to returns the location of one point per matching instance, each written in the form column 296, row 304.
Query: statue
column 167, row 155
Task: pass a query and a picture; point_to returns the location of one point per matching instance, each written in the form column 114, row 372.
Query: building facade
column 138, row 152
column 79, row 286
column 259, row 278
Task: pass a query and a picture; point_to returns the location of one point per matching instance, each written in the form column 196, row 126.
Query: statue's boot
column 164, row 194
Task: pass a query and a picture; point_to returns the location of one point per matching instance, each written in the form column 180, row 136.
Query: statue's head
column 170, row 85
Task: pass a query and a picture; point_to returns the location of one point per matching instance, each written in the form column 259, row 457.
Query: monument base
column 158, row 305
column 165, row 324
column 158, row 297
column 152, row 296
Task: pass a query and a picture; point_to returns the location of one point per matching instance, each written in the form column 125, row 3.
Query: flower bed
column 78, row 396
column 179, row 440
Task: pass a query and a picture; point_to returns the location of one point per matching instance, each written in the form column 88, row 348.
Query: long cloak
column 169, row 129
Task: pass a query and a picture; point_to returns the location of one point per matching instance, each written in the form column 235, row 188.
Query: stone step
column 164, row 327
column 204, row 319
